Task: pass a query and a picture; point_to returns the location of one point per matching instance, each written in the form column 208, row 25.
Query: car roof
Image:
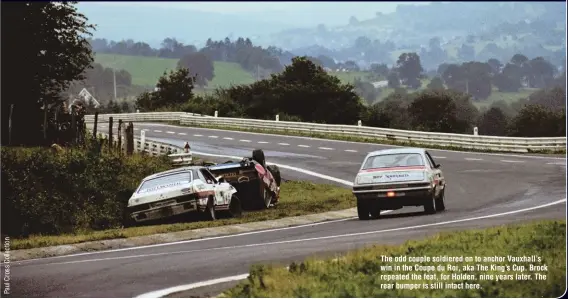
column 400, row 150
column 180, row 169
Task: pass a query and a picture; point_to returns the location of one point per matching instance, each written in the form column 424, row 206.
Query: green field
column 146, row 70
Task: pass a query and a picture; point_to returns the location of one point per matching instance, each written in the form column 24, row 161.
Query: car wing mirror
column 220, row 179
column 437, row 166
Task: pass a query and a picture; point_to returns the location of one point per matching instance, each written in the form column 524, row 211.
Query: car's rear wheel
column 430, row 205
column 363, row 209
column 375, row 212
column 440, row 201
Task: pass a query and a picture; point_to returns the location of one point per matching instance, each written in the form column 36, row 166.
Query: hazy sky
column 305, row 13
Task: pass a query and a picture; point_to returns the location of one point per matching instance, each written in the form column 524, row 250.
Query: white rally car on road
column 183, row 190
column 394, row 178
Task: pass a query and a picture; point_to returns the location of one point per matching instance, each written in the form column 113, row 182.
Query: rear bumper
column 166, row 211
column 401, row 198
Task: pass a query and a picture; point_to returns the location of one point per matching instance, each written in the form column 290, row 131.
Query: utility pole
column 114, row 81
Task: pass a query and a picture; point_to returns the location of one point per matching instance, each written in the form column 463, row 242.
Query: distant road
column 380, row 84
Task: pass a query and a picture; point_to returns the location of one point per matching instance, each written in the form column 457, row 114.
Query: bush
column 50, row 193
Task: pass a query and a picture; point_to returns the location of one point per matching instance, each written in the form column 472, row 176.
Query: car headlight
column 364, row 180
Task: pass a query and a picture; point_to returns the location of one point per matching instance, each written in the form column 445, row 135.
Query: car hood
column 163, row 192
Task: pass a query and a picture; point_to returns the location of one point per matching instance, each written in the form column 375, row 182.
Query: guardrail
column 177, row 155
column 474, row 141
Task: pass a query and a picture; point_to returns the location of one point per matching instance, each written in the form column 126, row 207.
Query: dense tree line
column 305, row 92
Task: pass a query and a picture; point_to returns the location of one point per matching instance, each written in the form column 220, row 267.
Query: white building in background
column 86, row 97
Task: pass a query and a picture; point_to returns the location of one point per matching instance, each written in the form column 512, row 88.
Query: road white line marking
column 263, row 142
column 182, row 134
column 213, row 136
column 512, row 161
column 473, row 159
column 136, row 129
column 282, row 143
column 165, row 292
column 157, row 131
column 367, row 143
column 244, row 140
column 325, row 148
column 227, row 138
column 438, row 157
column 176, row 289
column 170, row 132
column 302, row 145
column 351, row 151
column 557, row 163
column 197, row 135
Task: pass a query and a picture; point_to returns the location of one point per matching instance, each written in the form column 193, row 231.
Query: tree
column 200, row 66
column 409, row 68
column 48, row 50
column 442, row 111
column 493, row 122
column 436, row 83
column 303, row 90
column 509, row 80
column 540, row 72
column 538, row 121
column 172, row 89
column 495, row 66
column 553, row 98
column 471, row 78
column 393, row 80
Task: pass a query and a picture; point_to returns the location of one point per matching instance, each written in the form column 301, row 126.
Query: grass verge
column 358, row 273
column 297, row 198
column 366, row 139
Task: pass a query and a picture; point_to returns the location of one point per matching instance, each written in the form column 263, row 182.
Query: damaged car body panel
column 258, row 185
column 179, row 191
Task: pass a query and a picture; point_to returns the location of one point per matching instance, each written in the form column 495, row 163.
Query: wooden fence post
column 95, row 125
column 73, row 126
column 119, row 136
column 110, row 133
column 130, row 139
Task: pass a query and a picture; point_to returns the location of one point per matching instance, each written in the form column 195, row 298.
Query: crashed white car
column 183, row 190
column 394, row 178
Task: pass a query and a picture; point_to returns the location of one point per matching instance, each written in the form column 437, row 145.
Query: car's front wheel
column 210, row 210
column 363, row 209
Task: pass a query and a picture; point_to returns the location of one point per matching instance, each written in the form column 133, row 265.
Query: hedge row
column 47, row 192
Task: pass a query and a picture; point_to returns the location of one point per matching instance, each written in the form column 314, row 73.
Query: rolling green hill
column 146, row 70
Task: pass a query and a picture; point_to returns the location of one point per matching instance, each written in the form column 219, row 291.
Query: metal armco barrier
column 479, row 142
column 177, row 154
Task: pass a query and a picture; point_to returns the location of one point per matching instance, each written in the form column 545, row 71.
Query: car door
column 437, row 172
column 220, row 189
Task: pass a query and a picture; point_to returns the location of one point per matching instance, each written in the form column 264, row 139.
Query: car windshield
column 394, row 160
column 166, row 181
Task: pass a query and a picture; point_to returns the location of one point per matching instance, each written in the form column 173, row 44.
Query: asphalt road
column 478, row 185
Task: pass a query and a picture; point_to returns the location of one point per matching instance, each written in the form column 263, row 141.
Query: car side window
column 430, row 160
column 208, row 176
